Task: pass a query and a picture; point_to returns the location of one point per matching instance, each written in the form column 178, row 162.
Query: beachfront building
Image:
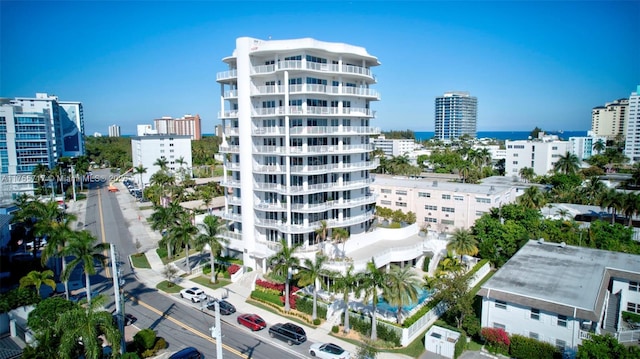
column 145, row 130
column 632, row 143
column 610, row 120
column 541, row 154
column 583, row 146
column 186, row 125
column 146, row 150
column 114, row 131
column 455, row 115
column 394, row 147
column 561, row 294
column 440, row 205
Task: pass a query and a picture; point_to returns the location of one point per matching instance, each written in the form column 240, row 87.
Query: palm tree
column 347, row 283
column 80, row 329
column 283, row 262
column 140, row 170
column 527, row 173
column 448, row 264
column 162, row 163
column 340, row 235
column 41, row 174
column 599, row 146
column 37, row 279
column 85, row 252
column 401, row 288
column 464, row 171
column 612, row 201
column 372, row 286
column 567, row 164
column 181, row 234
column 309, row 273
column 163, row 219
column 322, row 232
column 463, row 243
column 630, row 206
column 532, row 198
column 592, row 189
column 60, row 234
column 210, row 234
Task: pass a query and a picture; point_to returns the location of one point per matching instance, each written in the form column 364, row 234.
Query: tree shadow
column 249, row 350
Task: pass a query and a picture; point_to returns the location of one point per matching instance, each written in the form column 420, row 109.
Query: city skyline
column 546, row 69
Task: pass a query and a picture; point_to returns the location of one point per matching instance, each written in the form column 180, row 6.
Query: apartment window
column 561, row 344
column 424, row 194
column 515, row 155
column 535, row 314
column 388, row 203
column 448, row 209
column 430, row 220
column 562, row 320
column 554, row 148
column 429, row 207
column 634, row 286
column 515, row 162
column 382, row 190
column 447, row 222
column 633, row 307
column 533, row 335
column 401, row 204
column 500, row 304
column 446, row 196
column 483, row 200
column 481, row 213
column 458, row 198
column 499, row 326
column 401, row 193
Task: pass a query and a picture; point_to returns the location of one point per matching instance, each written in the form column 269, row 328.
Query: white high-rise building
column 540, row 154
column 456, row 115
column 632, row 143
column 296, row 141
column 114, row 131
column 146, row 150
column 611, row 119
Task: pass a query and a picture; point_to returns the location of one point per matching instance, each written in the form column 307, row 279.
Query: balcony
column 270, row 187
column 230, row 183
column 319, row 169
column 323, row 206
column 228, row 114
column 268, row 131
column 270, row 206
column 231, row 131
column 335, row 130
column 267, row 90
column 267, row 111
column 268, row 150
column 232, row 166
column 345, row 222
column 330, row 149
column 235, row 201
column 229, row 149
column 230, row 94
column 226, row 75
column 268, row 169
column 232, row 217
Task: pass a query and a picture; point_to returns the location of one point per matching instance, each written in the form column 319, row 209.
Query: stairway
column 244, row 285
column 613, row 308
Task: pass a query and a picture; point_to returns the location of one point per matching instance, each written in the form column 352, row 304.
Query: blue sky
column 542, row 63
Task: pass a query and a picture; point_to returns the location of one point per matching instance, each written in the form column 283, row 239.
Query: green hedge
column 631, row 317
column 425, row 264
column 17, row 298
column 524, row 348
column 419, row 313
column 266, row 297
column 362, row 325
column 305, row 305
column 461, row 345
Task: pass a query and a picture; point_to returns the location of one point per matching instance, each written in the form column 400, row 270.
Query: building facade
column 440, row 205
column 296, row 141
column 146, row 150
column 394, row 147
column 540, row 154
column 145, row 130
column 583, row 147
column 632, row 143
column 455, row 115
column 562, row 294
column 114, row 131
column 610, row 120
column 187, row 125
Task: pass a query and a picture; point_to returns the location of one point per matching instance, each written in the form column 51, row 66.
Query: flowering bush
column 292, row 300
column 275, row 286
column 233, row 269
column 496, row 337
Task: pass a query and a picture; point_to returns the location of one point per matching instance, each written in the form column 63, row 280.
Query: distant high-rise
column 610, row 120
column 632, row 143
column 114, row 131
column 187, row 125
column 456, row 115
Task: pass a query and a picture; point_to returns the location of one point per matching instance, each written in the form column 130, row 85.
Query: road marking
column 106, row 253
column 203, row 336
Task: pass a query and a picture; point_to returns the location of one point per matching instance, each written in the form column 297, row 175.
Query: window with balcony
column 500, row 304
column 315, row 59
column 562, row 320
column 535, row 314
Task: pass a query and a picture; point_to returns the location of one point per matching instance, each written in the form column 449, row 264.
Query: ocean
column 507, row 135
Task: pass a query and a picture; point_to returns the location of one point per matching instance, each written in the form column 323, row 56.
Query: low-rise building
column 583, row 146
column 561, row 294
column 394, row 147
column 541, row 154
column 146, row 150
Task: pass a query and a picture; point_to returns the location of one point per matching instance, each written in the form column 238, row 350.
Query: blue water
column 423, row 295
column 507, row 135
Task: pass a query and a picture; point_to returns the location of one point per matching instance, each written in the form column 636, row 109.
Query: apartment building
column 610, row 120
column 541, row 154
column 439, row 204
column 187, row 125
column 394, row 147
column 146, row 150
column 583, row 146
column 632, row 143
column 296, row 141
column 114, row 131
column 562, row 294
column 145, row 130
column 456, row 114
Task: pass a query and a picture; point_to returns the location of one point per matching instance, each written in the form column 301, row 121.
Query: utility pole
column 73, row 181
column 216, row 330
column 119, row 297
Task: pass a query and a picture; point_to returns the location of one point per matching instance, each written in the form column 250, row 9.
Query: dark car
column 226, row 308
column 252, row 321
column 288, row 332
column 187, row 353
column 129, row 319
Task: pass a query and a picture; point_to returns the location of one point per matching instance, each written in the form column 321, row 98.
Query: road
column 180, row 322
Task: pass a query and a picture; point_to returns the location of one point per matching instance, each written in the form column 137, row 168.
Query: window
column 483, row 200
column 388, row 203
column 499, row 326
column 429, row 207
column 446, row 196
column 533, row 335
column 424, row 194
column 402, row 193
column 561, row 344
column 458, row 198
column 634, row 286
column 562, row 320
column 385, row 190
column 481, row 213
column 448, row 209
column 633, row 307
column 500, row 304
column 535, row 314
column 430, row 220
column 447, row 222
column 401, row 204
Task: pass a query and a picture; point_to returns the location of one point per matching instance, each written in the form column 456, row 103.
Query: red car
column 252, row 321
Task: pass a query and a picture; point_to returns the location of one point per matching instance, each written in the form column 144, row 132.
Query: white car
column 328, row 351
column 194, row 294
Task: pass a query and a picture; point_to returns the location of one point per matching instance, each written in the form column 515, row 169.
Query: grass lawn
column 473, row 345
column 169, row 287
column 162, row 252
column 139, row 260
column 205, row 281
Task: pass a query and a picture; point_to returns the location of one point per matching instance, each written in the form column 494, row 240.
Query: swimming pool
column 423, row 295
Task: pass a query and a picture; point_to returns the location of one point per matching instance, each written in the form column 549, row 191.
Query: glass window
column 562, row 320
column 634, row 286
column 446, row 196
column 499, row 326
column 424, row 194
column 500, row 304
column 535, row 314
column 429, row 207
column 533, row 335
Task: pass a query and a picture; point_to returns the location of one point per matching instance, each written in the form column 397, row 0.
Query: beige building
column 611, row 119
column 187, row 125
column 444, row 206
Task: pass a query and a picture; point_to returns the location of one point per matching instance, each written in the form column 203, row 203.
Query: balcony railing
column 229, row 149
column 233, row 166
column 236, row 201
column 231, row 131
column 228, row 114
column 230, row 183
column 270, row 206
column 350, row 221
column 231, row 235
column 234, row 217
column 315, row 207
column 229, row 94
column 268, row 149
column 268, row 168
column 268, row 131
column 226, row 75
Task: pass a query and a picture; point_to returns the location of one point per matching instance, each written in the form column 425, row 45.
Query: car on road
column 289, row 332
column 328, row 351
column 193, row 294
column 129, row 319
column 187, row 353
column 226, row 308
column 252, row 321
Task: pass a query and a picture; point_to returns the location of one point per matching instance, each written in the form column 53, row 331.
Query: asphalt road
column 180, row 322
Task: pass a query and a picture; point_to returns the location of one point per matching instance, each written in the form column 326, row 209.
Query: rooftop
column 442, row 185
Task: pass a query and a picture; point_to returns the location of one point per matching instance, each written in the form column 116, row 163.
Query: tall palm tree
column 41, row 173
column 340, row 235
column 80, row 328
column 612, row 201
column 463, row 243
column 347, row 283
column 401, row 288
column 532, row 198
column 372, row 286
column 182, row 234
column 140, row 170
column 630, row 206
column 309, row 273
column 527, row 173
column 464, row 171
column 568, row 163
column 162, row 220
column 283, row 262
column 85, row 252
column 60, row 234
column 592, row 189
column 599, row 146
column 162, row 163
column 210, row 234
column 37, row 279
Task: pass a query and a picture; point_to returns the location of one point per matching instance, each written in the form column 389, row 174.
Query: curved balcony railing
column 228, row 114
column 229, row 149
column 230, row 183
column 236, row 201
column 330, row 149
column 345, row 222
column 328, row 130
column 233, row 166
column 226, row 75
column 268, row 131
column 231, row 131
column 270, row 206
column 268, row 168
column 315, row 207
column 268, row 149
column 230, row 94
column 234, row 217
column 310, row 110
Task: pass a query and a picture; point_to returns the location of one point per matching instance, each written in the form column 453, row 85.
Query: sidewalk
column 236, row 293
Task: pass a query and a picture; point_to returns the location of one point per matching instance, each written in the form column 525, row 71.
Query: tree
column 535, row 132
column 612, row 201
column 140, row 170
column 463, row 242
column 309, row 273
column 37, row 279
column 162, row 163
column 210, row 234
column 85, row 252
column 60, row 234
column 371, row 287
column 599, row 146
column 347, row 283
column 592, row 189
column 527, row 173
column 453, row 291
column 181, row 234
column 401, row 288
column 605, row 346
column 283, row 262
column 532, row 198
column 366, row 351
column 162, row 220
column 322, row 232
column 568, row 163
column 340, row 235
column 46, row 313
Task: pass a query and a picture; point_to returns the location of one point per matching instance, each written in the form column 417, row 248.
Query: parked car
column 226, row 308
column 187, row 353
column 328, row 351
column 194, row 294
column 289, row 332
column 252, row 321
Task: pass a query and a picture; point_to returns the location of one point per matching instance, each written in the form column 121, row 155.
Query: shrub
column 145, row 339
column 148, row 353
column 316, row 321
column 335, row 329
column 523, row 348
column 305, row 305
column 425, row 264
column 633, row 317
column 129, row 355
column 160, row 344
column 461, row 345
column 362, row 325
column 292, row 300
column 233, row 269
column 276, row 286
column 496, row 338
column 266, row 297
column 162, row 252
